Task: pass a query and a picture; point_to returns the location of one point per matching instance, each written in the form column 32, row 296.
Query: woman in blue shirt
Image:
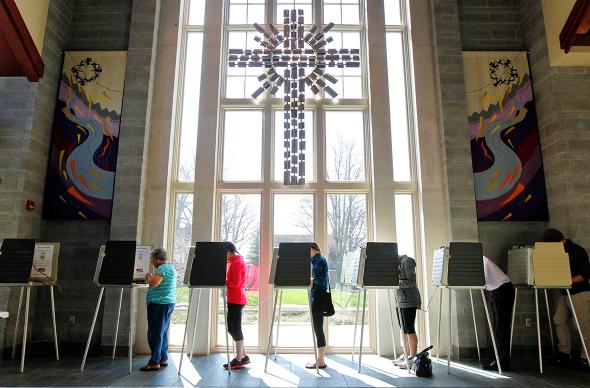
column 320, row 284
column 161, row 297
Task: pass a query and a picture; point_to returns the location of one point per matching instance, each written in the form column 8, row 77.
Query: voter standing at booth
column 409, row 301
column 320, row 285
column 236, row 301
column 580, row 292
column 502, row 290
column 161, row 298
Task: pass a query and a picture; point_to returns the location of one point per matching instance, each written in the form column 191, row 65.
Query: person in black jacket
column 580, row 292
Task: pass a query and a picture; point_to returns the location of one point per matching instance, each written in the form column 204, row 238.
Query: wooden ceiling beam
column 576, row 27
column 20, row 56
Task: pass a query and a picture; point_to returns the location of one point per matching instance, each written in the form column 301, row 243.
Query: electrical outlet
column 72, row 320
column 528, row 323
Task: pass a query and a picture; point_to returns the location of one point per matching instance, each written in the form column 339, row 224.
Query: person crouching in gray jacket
column 409, row 301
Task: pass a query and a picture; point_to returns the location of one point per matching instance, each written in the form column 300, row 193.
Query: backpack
column 421, row 363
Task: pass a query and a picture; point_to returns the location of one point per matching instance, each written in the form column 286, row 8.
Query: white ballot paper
column 142, row 261
column 42, row 261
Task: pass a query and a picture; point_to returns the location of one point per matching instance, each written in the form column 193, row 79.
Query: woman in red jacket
column 236, row 300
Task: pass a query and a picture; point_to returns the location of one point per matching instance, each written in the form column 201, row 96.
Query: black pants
column 318, row 328
column 406, row 317
column 234, row 321
column 502, row 302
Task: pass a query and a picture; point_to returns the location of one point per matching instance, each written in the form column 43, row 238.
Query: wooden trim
column 16, row 36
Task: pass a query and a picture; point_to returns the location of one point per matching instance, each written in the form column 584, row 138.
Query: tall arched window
column 344, row 184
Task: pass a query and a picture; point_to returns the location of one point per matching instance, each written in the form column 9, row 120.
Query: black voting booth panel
column 117, row 265
column 459, row 265
column 209, row 265
column 16, row 261
column 379, row 265
column 292, row 266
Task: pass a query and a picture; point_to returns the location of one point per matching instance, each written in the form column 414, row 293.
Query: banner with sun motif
column 85, row 138
column 505, row 148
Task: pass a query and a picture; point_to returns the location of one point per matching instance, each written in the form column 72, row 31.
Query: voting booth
column 206, row 269
column 542, row 267
column 378, row 269
column 25, row 264
column 459, row 265
column 120, row 264
column 290, row 269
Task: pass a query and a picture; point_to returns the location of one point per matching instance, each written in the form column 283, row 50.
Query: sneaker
column 401, row 358
column 238, row 364
column 402, row 364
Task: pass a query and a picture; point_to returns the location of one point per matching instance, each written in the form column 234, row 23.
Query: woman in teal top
column 161, row 297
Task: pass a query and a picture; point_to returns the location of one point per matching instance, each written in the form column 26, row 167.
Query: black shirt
column 579, row 265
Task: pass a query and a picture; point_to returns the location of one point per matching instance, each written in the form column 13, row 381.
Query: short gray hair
column 160, row 254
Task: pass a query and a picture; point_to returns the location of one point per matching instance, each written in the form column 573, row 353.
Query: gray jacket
column 408, row 294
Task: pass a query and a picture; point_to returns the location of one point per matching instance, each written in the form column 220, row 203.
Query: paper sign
column 43, row 261
column 142, row 261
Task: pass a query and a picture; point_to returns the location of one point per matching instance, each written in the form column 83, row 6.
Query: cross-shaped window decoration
column 304, row 60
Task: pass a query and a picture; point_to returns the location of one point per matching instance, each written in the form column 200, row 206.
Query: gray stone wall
column 490, row 24
column 126, row 223
column 460, row 195
column 26, row 115
column 100, row 25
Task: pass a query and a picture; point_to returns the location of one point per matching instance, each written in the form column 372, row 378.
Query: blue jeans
column 158, row 323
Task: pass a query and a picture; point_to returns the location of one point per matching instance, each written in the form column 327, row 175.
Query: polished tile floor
column 286, row 371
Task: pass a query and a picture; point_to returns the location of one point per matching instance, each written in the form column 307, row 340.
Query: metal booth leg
column 450, row 338
column 356, row 321
column 20, row 305
column 226, row 331
column 278, row 324
column 131, row 313
column 272, row 323
column 513, row 316
column 362, row 329
column 440, row 300
column 550, row 324
column 190, row 298
column 54, row 323
column 538, row 330
column 117, row 326
column 485, row 305
column 92, row 328
column 27, row 305
column 315, row 345
column 192, row 349
column 392, row 329
column 584, row 345
column 475, row 326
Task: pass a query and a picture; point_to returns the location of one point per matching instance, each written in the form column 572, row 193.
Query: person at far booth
column 580, row 292
column 500, row 286
column 161, row 298
column 236, row 301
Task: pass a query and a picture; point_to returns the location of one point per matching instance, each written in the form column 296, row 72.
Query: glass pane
column 241, row 82
column 341, row 11
column 190, row 107
column 345, row 146
column 294, row 222
column 349, row 83
column 242, row 146
column 392, row 12
column 246, row 12
column 183, row 222
column 240, row 224
column 309, row 139
column 347, row 232
column 350, row 14
column 305, row 5
column 404, row 224
column 398, row 107
column 196, row 13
